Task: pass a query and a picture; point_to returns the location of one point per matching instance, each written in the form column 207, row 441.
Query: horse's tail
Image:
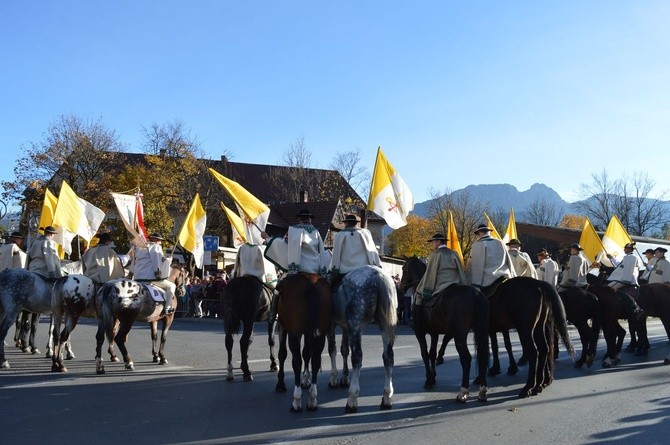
column 107, row 315
column 387, row 300
column 594, row 310
column 314, row 307
column 481, row 329
column 558, row 314
column 228, row 304
column 57, row 296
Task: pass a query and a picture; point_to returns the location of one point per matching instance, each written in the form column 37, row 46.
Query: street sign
column 211, row 243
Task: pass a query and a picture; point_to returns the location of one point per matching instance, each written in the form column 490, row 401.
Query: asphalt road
column 188, row 401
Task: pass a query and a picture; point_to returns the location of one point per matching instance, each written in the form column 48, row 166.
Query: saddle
column 491, row 289
column 157, row 294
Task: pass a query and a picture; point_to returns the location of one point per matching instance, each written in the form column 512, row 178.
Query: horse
column 20, row 290
column 614, row 306
column 364, row 295
column 536, row 311
column 246, row 300
column 26, row 328
column 452, row 313
column 121, row 302
column 654, row 300
column 304, row 309
column 580, row 307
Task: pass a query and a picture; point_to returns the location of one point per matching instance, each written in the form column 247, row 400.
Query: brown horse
column 121, row 302
column 614, row 306
column 304, row 309
column 536, row 311
column 654, row 300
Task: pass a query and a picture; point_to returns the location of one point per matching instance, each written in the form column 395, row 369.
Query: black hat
column 660, row 249
column 104, row 237
column 543, row 253
column 49, row 230
column 351, row 219
column 156, row 236
column 649, row 251
column 514, row 241
column 304, row 213
column 16, row 235
column 576, row 246
column 437, row 237
column 482, row 228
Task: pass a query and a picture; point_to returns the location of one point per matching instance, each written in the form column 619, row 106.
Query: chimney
column 224, row 159
column 304, row 197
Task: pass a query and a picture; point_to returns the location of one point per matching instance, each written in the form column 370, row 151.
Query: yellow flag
column 590, row 241
column 237, row 225
column 452, row 238
column 192, row 232
column 390, row 197
column 511, row 228
column 255, row 212
column 614, row 239
column 48, row 209
column 494, row 232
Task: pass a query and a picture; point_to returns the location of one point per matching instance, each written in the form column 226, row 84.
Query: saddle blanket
column 156, row 293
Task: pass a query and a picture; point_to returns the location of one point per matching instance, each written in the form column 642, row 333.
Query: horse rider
column 576, row 270
column 626, row 270
column 148, row 263
column 548, row 269
column 43, row 258
column 523, row 265
column 11, row 254
column 489, row 264
column 443, row 268
column 649, row 254
column 101, row 262
column 661, row 271
column 353, row 247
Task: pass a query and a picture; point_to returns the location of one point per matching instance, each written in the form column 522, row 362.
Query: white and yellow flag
column 390, row 197
column 74, row 216
column 236, row 224
column 614, row 239
column 510, row 234
column 193, row 230
column 253, row 211
column 452, row 238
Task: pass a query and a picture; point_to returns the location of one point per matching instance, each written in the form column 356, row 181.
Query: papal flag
column 48, row 209
column 590, row 242
column 253, row 212
column 510, row 234
column 131, row 212
column 614, row 239
column 191, row 235
column 390, row 197
column 452, row 238
column 75, row 216
column 236, row 224
column 494, row 232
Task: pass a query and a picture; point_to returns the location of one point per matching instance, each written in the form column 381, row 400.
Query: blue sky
column 455, row 93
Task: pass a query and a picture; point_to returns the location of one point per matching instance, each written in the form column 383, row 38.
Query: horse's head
column 178, row 276
column 412, row 271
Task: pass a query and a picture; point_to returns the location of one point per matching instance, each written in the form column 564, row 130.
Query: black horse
column 580, row 308
column 246, row 300
column 454, row 312
column 654, row 300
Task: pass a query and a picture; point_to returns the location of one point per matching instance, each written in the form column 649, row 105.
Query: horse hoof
column 99, row 371
column 296, row 410
column 130, row 367
column 350, row 409
column 344, row 384
column 666, row 361
column 607, row 365
column 305, row 385
column 114, row 359
column 428, row 385
column 333, row 385
column 525, row 393
column 273, row 367
column 280, row 387
column 155, row 360
column 512, row 370
column 439, row 361
column 313, row 408
column 385, row 406
column 70, row 357
column 247, row 378
column 579, row 364
column 48, row 355
column 229, row 379
column 35, row 351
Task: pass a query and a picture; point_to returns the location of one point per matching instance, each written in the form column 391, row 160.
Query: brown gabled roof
column 284, row 215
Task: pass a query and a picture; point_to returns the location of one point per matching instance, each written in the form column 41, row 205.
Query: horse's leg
column 432, row 353
column 283, row 353
column 443, row 347
column 120, row 340
column 423, row 347
column 306, row 375
column 388, row 339
column 513, row 368
column 17, row 329
column 154, row 340
column 100, row 339
column 230, row 343
column 332, row 354
column 545, row 358
column 584, row 336
column 245, row 341
column 167, row 323
column 34, row 320
column 345, row 382
column 530, row 350
column 110, row 344
column 494, row 370
column 24, row 331
column 621, row 335
column 461, row 340
column 10, row 318
column 271, row 343
column 316, row 347
column 642, row 338
column 356, row 364
column 296, row 362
